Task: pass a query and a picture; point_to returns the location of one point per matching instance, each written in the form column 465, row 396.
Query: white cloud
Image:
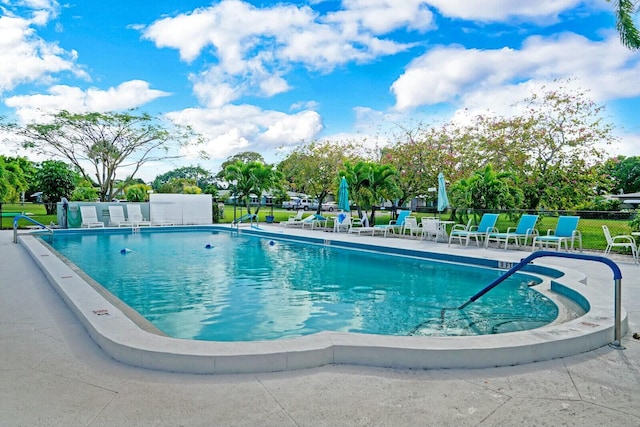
column 502, row 10
column 627, row 145
column 234, row 128
column 27, row 57
column 456, row 74
column 256, row 47
column 383, row 16
column 127, row 95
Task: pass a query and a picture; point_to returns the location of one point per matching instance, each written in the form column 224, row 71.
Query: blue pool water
column 234, row 287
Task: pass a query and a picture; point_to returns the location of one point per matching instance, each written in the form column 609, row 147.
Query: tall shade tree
column 56, row 180
column 312, row 169
column 625, row 23
column 251, row 178
column 13, row 179
column 101, row 144
column 195, row 174
column 625, row 174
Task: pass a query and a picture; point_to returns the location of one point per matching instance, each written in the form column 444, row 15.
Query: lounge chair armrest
column 550, row 232
column 625, row 238
column 510, row 229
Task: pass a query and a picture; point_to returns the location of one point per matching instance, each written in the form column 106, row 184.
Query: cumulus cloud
column 233, row 128
column 460, row 75
column 127, row 95
column 383, row 16
column 287, row 36
column 27, row 57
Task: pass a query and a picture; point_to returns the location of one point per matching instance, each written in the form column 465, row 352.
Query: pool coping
column 123, row 340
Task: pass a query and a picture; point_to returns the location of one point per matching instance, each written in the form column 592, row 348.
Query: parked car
column 330, row 206
column 297, row 203
column 291, row 204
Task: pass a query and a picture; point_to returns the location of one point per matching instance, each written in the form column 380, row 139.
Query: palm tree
column 486, row 189
column 369, row 183
column 382, row 186
column 629, row 34
column 251, row 178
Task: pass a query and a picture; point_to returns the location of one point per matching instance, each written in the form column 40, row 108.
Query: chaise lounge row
column 117, row 217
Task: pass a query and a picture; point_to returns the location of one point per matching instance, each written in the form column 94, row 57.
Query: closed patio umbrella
column 343, row 195
column 443, row 200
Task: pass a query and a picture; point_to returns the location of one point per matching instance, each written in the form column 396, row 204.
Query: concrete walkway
column 51, row 373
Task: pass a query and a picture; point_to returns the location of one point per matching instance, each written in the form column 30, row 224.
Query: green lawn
column 38, row 210
column 591, row 229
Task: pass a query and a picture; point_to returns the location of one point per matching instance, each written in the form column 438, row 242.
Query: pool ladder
column 617, row 278
column 42, row 227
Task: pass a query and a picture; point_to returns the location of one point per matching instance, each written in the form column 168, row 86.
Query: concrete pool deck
column 53, row 374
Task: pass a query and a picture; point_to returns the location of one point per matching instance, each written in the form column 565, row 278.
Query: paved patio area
column 52, row 373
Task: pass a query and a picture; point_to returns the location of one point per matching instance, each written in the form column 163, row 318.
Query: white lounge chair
column 411, row 225
column 293, row 220
column 136, row 217
column 117, row 218
column 308, row 220
column 620, row 241
column 90, row 217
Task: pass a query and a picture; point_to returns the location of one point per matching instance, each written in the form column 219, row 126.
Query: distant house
column 629, row 200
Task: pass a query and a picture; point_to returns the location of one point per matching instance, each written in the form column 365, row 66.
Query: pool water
column 223, row 286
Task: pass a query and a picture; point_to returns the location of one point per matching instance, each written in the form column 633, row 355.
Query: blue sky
column 266, row 75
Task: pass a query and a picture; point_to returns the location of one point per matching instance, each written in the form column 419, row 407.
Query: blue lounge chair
column 397, row 224
column 487, row 225
column 316, row 221
column 524, row 230
column 566, row 229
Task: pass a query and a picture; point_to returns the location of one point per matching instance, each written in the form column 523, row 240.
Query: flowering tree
column 312, row 168
column 419, row 155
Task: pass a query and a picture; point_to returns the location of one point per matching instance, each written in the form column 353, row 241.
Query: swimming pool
column 222, row 286
column 132, row 341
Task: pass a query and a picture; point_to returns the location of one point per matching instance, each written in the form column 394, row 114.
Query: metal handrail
column 617, row 278
column 250, row 217
column 15, row 226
